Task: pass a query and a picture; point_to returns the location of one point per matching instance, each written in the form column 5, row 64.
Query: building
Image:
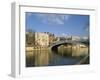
column 41, row 39
column 76, row 38
column 85, row 38
column 51, row 38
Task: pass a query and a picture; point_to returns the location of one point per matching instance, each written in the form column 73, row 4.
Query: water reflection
column 73, row 51
column 64, row 56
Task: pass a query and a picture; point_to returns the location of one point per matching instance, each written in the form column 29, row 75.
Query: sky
column 58, row 24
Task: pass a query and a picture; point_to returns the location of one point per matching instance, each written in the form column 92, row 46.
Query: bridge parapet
column 67, row 42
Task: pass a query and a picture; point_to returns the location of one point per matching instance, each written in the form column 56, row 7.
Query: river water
column 64, row 56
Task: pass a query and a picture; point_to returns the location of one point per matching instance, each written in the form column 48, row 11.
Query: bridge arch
column 55, row 46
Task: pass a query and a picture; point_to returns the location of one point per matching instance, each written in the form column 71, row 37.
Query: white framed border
column 18, row 40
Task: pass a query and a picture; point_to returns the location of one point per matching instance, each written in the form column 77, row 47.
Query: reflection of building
column 41, row 39
column 37, row 58
column 42, row 58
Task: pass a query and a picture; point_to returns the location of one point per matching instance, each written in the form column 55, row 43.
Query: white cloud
column 53, row 18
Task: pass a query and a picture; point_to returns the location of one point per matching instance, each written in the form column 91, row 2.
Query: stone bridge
column 56, row 44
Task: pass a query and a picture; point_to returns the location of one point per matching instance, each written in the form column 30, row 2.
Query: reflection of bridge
column 84, row 60
column 56, row 44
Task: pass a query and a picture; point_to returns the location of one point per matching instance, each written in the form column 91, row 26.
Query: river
column 64, row 56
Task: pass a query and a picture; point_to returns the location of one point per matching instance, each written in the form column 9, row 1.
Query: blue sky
column 59, row 24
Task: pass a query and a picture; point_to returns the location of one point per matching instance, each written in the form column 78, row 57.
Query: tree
column 30, row 37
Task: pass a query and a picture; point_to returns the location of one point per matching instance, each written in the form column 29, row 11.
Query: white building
column 76, row 38
column 85, row 38
column 41, row 39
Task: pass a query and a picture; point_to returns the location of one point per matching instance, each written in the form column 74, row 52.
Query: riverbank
column 37, row 48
